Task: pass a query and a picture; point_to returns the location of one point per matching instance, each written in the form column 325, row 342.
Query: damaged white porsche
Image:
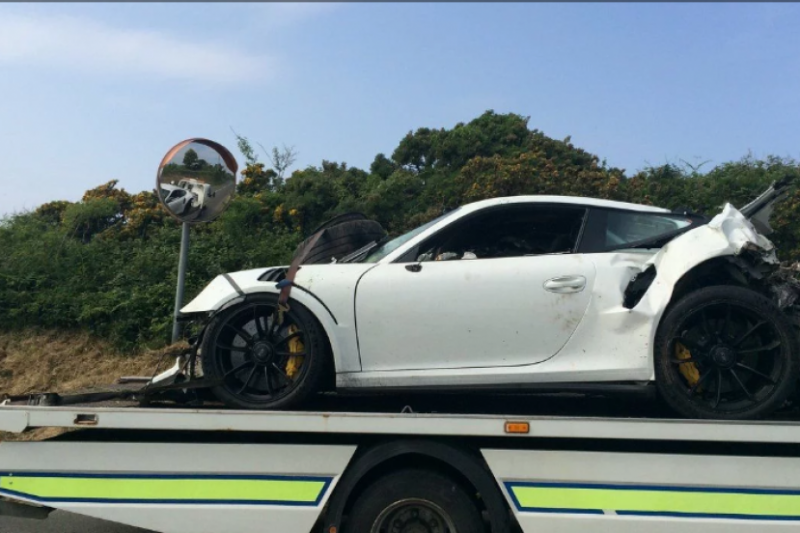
column 517, row 294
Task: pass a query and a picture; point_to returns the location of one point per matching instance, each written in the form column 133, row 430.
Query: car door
column 175, row 200
column 498, row 288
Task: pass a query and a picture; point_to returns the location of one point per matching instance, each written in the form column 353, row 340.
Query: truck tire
column 726, row 352
column 414, row 500
column 263, row 364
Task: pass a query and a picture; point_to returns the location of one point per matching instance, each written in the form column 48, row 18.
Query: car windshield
column 390, row 246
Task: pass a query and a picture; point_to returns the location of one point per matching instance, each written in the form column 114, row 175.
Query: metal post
column 184, row 258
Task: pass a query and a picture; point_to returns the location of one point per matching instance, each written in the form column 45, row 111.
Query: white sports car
column 517, row 294
column 177, row 199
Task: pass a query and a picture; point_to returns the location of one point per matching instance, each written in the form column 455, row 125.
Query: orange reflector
column 518, row 427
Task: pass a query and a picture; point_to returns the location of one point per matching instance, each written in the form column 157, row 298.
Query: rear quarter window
column 608, row 230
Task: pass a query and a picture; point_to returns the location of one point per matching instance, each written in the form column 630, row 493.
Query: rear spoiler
column 760, row 210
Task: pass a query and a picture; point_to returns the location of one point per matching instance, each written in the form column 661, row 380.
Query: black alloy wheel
column 726, row 352
column 264, row 363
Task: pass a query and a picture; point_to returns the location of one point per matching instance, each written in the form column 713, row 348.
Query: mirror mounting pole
column 194, row 198
column 184, row 258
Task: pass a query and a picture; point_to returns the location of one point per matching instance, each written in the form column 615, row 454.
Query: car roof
column 572, row 200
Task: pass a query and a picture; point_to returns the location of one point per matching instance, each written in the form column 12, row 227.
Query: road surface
column 61, row 522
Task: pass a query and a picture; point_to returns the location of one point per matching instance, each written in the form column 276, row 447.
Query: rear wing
column 760, row 210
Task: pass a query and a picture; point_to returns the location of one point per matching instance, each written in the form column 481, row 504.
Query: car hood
column 331, row 282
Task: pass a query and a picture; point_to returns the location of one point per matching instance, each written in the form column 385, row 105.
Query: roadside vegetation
column 106, row 266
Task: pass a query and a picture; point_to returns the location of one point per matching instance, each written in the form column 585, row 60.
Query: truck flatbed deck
column 16, row 419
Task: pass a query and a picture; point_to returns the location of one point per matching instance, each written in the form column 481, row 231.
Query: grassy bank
column 61, row 361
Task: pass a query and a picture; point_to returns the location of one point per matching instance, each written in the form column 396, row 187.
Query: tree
column 250, row 156
column 256, row 179
column 417, row 150
column 318, row 193
column 281, row 161
column 382, row 166
column 488, row 135
column 190, row 159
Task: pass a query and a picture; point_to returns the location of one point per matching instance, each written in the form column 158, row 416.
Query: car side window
column 177, row 193
column 507, row 231
column 608, row 230
column 626, row 228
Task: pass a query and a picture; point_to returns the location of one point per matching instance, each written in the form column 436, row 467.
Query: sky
column 94, row 92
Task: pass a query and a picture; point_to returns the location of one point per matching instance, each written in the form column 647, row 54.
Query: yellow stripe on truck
column 736, row 503
column 177, row 489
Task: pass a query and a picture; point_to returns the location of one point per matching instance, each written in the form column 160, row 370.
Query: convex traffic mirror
column 196, row 180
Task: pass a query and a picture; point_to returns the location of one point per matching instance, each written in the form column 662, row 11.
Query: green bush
column 108, row 263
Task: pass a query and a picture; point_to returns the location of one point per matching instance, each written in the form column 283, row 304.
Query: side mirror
column 192, row 165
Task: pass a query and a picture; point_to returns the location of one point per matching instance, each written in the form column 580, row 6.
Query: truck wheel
column 415, row 500
column 726, row 352
column 264, row 364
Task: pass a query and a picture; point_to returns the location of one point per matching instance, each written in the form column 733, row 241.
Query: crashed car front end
column 635, row 288
column 732, row 248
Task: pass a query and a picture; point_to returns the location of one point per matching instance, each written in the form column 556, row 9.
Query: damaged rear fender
column 728, row 235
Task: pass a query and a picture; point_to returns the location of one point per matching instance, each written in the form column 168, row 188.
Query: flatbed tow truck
column 209, row 470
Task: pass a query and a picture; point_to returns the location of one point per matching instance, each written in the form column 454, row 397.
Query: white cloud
column 83, row 44
column 292, row 13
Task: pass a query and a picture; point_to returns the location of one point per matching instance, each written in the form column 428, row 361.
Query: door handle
column 565, row 284
column 414, row 267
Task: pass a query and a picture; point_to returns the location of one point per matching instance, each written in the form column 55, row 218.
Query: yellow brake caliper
column 688, row 370
column 295, row 346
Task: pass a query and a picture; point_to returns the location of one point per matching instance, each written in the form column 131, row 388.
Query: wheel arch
column 324, row 317
column 720, row 270
column 713, row 254
column 464, row 465
column 724, row 270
